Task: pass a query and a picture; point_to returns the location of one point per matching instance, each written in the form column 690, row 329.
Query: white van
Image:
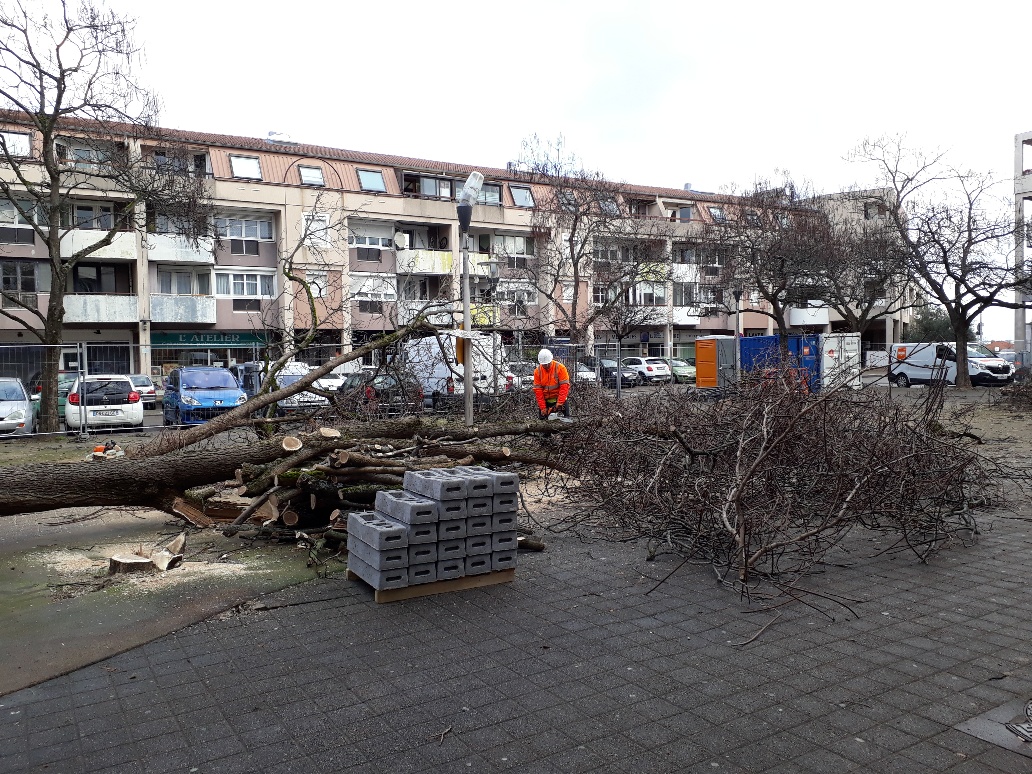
column 439, row 374
column 925, row 362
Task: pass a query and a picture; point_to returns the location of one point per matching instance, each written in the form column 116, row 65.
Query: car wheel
column 902, row 380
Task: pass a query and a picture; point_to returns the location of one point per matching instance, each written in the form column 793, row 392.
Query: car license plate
column 106, row 413
column 217, row 402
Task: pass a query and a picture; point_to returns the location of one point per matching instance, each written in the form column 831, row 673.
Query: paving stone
column 506, row 502
column 422, row 533
column 436, row 484
column 452, row 529
column 503, row 522
column 451, row 509
column 503, row 541
column 422, row 553
column 478, row 525
column 388, row 559
column 451, row 568
column 379, row 580
column 503, row 560
column 478, row 565
column 407, row 507
column 478, row 544
column 451, row 549
column 479, row 506
column 422, row 573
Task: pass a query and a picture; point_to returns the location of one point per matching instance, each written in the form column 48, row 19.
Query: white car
column 585, row 374
column 331, row 382
column 16, row 412
column 107, row 400
column 649, row 369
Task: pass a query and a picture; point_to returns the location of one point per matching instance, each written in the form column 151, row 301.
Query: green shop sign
column 205, row 339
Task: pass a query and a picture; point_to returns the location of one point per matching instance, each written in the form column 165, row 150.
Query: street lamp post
column 738, row 330
column 470, row 192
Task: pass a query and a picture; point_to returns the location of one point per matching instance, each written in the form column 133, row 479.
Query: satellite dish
column 401, row 241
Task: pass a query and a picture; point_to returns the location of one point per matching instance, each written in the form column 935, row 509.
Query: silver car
column 16, row 415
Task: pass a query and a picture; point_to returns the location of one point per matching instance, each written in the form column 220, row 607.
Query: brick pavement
column 571, row 668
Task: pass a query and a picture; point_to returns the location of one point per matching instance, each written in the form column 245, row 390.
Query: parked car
column 583, row 374
column 523, row 374
column 148, row 392
column 682, row 370
column 331, row 382
column 301, row 401
column 64, row 381
column 649, row 369
column 104, row 400
column 16, row 410
column 381, row 393
column 195, row 394
column 608, row 370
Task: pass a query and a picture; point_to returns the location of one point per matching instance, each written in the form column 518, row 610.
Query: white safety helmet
column 544, row 357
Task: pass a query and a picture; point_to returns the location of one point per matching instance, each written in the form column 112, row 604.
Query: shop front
column 170, row 349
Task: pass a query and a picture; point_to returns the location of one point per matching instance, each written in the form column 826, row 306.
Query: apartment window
column 875, row 211
column 708, row 294
column 686, row 255
column 370, row 238
column 317, row 231
column 650, row 294
column 16, row 143
column 244, row 234
column 311, row 175
column 18, row 280
column 94, row 278
column 602, row 294
column 317, row 282
column 417, row 289
column 174, row 281
column 247, row 167
column 685, row 293
column 371, row 180
column 522, row 197
column 195, row 164
column 752, row 219
column 781, row 219
column 370, row 291
column 684, row 214
column 246, row 289
column 94, row 216
column 718, row 214
column 516, row 300
column 490, row 193
column 14, row 227
column 430, row 187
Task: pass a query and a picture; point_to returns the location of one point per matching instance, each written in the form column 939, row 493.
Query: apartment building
column 375, row 236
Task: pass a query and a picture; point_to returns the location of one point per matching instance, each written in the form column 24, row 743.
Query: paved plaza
column 571, row 668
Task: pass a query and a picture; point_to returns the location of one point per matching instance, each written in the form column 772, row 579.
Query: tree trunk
column 960, row 331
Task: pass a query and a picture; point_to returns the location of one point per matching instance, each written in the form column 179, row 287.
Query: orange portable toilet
column 715, row 362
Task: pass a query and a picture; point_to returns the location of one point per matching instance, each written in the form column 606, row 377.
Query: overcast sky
column 657, row 93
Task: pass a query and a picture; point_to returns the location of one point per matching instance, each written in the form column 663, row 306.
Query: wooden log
column 336, row 534
column 178, row 545
column 391, row 470
column 329, row 432
column 198, row 494
column 122, row 564
column 182, row 508
column 164, row 560
column 290, row 517
column 291, row 444
column 282, row 497
column 529, row 543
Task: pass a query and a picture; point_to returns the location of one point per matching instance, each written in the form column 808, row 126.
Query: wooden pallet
column 439, row 587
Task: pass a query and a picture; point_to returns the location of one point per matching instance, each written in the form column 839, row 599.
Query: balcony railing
column 425, row 261
column 101, row 308
column 123, row 244
column 182, row 309
column 171, row 248
column 444, row 313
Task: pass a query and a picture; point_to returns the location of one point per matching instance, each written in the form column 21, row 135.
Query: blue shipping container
column 759, row 352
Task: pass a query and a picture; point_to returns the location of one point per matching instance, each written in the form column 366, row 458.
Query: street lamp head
column 468, row 197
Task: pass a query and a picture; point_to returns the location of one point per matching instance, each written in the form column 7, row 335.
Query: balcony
column 171, row 248
column 425, row 262
column 182, row 309
column 101, row 308
column 444, row 312
column 122, row 247
column 685, row 315
column 809, row 315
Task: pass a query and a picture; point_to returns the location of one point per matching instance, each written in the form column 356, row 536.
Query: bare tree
column 956, row 229
column 74, row 118
column 586, row 244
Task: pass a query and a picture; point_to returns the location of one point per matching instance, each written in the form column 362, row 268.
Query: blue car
column 196, row 394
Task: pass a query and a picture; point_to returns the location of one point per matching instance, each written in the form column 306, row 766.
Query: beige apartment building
column 1022, row 215
column 375, row 236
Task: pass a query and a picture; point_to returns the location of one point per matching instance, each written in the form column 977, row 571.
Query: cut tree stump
column 165, row 560
column 122, row 564
column 291, row 444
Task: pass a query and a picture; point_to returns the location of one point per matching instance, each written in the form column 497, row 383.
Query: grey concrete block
column 451, row 568
column 422, row 573
column 479, row 480
column 390, row 559
column 406, row 507
column 422, row 533
column 503, row 560
column 378, row 579
column 479, row 506
column 507, row 502
column 451, row 549
column 377, row 530
column 422, row 553
column 503, row 482
column 452, row 529
column 478, row 544
column 503, row 541
column 503, row 522
column 478, row 525
column 436, row 483
column 451, row 509
column 478, row 565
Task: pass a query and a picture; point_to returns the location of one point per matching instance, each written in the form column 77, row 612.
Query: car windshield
column 140, row 381
column 11, row 391
column 609, row 363
column 208, row 380
column 656, row 361
column 284, row 379
column 678, row 364
column 977, row 350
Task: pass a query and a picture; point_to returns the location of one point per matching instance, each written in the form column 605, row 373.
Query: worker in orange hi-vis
column 551, row 385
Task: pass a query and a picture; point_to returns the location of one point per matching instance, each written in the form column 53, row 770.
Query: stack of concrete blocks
column 446, row 523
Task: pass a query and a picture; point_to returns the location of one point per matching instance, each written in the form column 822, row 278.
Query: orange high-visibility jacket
column 551, row 383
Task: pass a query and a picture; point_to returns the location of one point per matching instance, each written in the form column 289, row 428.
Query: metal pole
column 467, row 367
column 738, row 343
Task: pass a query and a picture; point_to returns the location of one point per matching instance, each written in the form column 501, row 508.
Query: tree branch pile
column 762, row 483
